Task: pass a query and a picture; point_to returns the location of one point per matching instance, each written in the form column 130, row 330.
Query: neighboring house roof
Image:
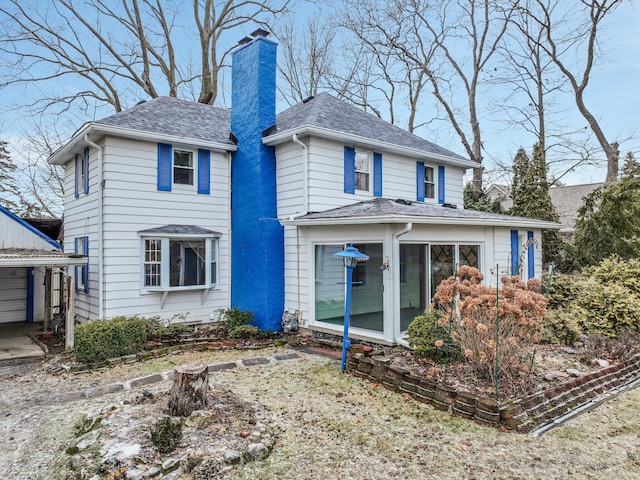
column 327, row 116
column 171, row 120
column 384, row 210
column 567, row 200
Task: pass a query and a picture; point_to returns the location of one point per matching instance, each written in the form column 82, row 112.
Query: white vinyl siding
column 132, row 203
column 13, row 295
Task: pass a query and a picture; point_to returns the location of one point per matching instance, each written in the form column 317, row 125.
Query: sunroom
column 412, row 247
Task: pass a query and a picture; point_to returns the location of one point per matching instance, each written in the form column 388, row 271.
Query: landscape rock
column 87, row 440
column 135, row 474
column 256, row 451
column 169, row 465
column 602, row 363
column 573, row 372
column 232, row 457
column 199, row 418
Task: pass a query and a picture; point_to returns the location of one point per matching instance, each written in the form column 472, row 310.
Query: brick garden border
column 523, row 415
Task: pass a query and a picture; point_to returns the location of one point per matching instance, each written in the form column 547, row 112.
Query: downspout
column 100, row 226
column 305, row 210
column 396, row 285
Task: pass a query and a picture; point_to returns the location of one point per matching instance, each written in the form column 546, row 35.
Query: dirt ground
column 332, row 425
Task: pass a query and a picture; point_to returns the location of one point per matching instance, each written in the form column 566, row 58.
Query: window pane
column 362, row 181
column 469, row 255
column 186, row 263
column 214, row 262
column 182, row 167
column 152, row 262
column 429, row 190
column 442, row 264
column 329, row 301
column 362, row 162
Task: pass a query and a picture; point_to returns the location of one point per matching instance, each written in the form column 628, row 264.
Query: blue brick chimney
column 257, row 238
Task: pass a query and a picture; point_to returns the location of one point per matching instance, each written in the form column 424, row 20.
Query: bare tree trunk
column 613, row 157
column 189, row 392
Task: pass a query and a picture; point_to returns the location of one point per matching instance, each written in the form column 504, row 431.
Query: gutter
column 372, row 219
column 305, row 210
column 100, row 225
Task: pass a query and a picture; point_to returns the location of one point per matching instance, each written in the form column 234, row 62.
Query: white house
column 184, row 208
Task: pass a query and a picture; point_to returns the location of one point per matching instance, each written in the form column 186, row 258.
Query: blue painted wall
column 257, row 238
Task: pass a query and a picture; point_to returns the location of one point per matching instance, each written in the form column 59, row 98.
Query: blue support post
column 347, row 309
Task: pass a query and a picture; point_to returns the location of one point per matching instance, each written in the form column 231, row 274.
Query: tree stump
column 189, row 391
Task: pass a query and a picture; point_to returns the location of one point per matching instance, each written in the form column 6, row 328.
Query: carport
column 37, row 285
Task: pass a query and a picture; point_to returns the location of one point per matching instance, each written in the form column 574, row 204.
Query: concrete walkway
column 15, row 344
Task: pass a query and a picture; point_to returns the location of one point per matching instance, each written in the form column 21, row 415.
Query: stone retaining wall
column 523, row 414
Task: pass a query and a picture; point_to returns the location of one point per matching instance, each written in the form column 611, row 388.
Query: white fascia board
column 43, row 262
column 63, row 154
column 285, row 136
column 510, row 223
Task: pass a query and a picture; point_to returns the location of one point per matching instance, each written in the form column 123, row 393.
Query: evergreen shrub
column 100, row 340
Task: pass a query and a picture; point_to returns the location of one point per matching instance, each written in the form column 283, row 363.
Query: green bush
column 425, row 331
column 166, row 434
column 159, row 332
column 603, row 299
column 102, row 339
column 239, row 323
column 561, row 327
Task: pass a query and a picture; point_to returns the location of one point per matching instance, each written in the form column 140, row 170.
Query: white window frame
column 80, row 270
column 429, row 184
column 367, row 172
column 193, row 168
column 211, row 262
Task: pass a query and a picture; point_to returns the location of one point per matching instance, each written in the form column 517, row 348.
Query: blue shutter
column 420, row 181
column 514, row 252
column 85, row 269
column 204, row 172
column 377, row 174
column 349, row 170
column 77, row 177
column 75, row 250
column 85, row 167
column 164, row 167
column 531, row 256
column 440, row 184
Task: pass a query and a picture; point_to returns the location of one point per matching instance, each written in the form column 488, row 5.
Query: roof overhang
column 18, row 261
column 422, row 220
column 77, row 142
column 285, row 136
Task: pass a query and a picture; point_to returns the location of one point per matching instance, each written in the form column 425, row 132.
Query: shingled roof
column 327, row 112
column 384, row 210
column 175, row 117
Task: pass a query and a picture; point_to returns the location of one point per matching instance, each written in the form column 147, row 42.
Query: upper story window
column 182, row 167
column 359, row 168
column 429, row 183
column 81, row 183
column 179, row 258
column 362, row 169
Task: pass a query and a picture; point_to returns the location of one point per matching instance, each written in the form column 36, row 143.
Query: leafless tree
column 114, row 53
column 451, row 44
column 307, row 57
column 570, row 32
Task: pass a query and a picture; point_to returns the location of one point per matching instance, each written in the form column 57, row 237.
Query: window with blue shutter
column 377, row 174
column 204, row 169
column 515, row 252
column 420, row 181
column 440, row 184
column 85, row 170
column 81, row 245
column 165, row 167
column 349, row 170
column 78, row 177
column 531, row 266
